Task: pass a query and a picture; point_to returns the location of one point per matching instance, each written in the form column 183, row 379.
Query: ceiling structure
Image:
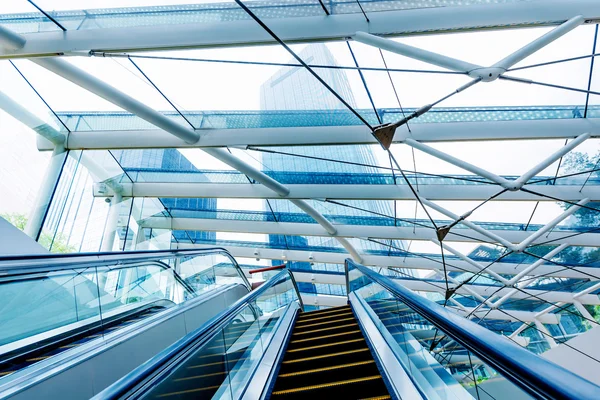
column 256, row 126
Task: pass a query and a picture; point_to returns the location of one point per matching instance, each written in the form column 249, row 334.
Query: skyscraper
column 294, row 88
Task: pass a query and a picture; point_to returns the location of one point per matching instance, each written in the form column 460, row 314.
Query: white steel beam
column 550, row 225
column 357, row 231
column 332, row 135
column 397, row 262
column 324, row 300
column 307, row 29
column 353, row 192
column 88, row 82
column 457, row 162
column 483, row 232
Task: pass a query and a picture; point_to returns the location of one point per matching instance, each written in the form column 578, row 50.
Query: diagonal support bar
column 539, row 43
column 429, row 57
column 471, row 225
column 113, row 95
column 472, row 262
column 550, row 225
column 457, row 162
column 518, row 184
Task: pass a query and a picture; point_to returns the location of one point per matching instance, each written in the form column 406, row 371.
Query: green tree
column 58, row 242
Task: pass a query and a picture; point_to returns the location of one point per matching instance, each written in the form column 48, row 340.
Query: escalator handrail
column 532, row 373
column 29, row 263
column 172, row 354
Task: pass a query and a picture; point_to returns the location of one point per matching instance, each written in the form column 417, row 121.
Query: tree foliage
column 56, row 243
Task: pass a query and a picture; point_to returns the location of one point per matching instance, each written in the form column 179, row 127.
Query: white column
column 44, row 195
column 112, row 223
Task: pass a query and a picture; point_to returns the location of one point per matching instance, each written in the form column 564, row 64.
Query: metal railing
column 152, row 371
column 26, row 264
column 533, row 374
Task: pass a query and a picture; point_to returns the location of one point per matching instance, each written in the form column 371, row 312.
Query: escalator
column 388, row 343
column 85, row 316
column 24, row 357
column 328, row 357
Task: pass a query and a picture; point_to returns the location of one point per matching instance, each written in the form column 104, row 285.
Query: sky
column 211, row 86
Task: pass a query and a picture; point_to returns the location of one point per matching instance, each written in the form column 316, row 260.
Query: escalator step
column 326, row 323
column 358, row 388
column 331, row 328
column 317, row 338
column 327, row 311
column 305, row 318
column 317, row 376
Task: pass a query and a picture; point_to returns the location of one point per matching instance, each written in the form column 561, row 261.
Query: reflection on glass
column 221, row 367
column 440, row 367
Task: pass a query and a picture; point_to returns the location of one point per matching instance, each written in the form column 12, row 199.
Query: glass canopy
column 487, row 200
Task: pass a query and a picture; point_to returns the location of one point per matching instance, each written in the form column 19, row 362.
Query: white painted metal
column 325, row 300
column 584, row 312
column 535, row 265
column 545, row 333
column 113, row 95
column 357, row 231
column 112, row 221
column 81, row 78
column 455, row 161
column 352, row 192
column 307, row 29
column 478, row 229
column 586, row 291
column 539, row 43
column 331, row 135
column 550, row 225
column 550, row 160
column 46, row 191
column 417, row 263
column 414, row 52
column 23, row 115
column 10, row 40
column 463, row 257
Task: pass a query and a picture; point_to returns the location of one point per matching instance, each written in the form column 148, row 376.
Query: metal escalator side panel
column 398, row 378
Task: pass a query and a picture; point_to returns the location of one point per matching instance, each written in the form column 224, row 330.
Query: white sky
column 212, row 86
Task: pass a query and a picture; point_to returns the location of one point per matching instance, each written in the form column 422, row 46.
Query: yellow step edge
column 6, row 373
column 329, row 310
column 327, row 385
column 384, row 397
column 325, row 329
column 328, row 322
column 37, row 358
column 325, row 337
column 188, row 391
column 341, row 353
column 320, row 346
column 311, row 371
column 311, row 315
column 322, row 318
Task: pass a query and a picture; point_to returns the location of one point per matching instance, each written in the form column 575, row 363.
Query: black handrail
column 180, row 349
column 532, row 373
column 56, row 262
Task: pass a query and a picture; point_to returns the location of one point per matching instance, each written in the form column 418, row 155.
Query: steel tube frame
column 306, row 29
column 113, row 95
column 332, row 135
